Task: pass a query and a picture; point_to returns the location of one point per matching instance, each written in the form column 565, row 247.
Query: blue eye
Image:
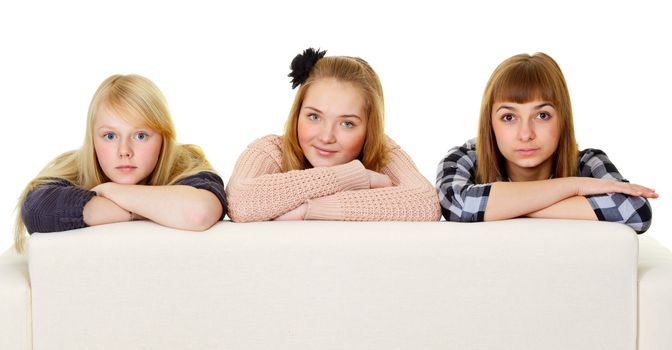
column 141, row 136
column 348, row 124
column 313, row 117
column 109, row 136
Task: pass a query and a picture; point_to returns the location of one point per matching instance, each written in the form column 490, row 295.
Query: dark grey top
column 59, row 205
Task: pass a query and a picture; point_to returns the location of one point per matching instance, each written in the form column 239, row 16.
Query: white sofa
column 516, row 284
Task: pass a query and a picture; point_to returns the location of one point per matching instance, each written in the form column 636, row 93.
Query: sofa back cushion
column 517, row 284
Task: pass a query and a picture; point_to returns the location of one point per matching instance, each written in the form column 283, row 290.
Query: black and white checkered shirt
column 465, row 201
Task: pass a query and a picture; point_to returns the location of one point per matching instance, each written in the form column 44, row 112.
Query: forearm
column 411, row 198
column 616, row 207
column 267, row 196
column 100, row 210
column 55, row 206
column 177, row 206
column 381, row 204
column 509, row 200
column 576, row 207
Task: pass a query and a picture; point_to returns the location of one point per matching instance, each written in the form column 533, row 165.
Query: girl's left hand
column 295, row 214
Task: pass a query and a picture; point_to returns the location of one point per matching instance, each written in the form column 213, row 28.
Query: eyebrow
column 105, row 127
column 540, row 106
column 341, row 116
column 111, row 128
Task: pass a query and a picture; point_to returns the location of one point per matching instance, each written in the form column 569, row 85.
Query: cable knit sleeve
column 411, row 198
column 259, row 191
column 55, row 206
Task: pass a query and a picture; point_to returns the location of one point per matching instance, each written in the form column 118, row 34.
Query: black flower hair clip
column 302, row 64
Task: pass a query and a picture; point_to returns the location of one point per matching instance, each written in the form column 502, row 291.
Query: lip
column 527, row 151
column 323, row 152
column 126, row 168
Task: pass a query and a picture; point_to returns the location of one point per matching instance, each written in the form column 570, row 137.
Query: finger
column 645, row 191
column 650, row 195
column 641, row 191
column 644, row 188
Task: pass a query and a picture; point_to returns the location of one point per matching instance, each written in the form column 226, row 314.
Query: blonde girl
column 130, row 167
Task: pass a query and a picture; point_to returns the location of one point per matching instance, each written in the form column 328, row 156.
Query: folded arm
column 410, row 198
column 55, row 206
column 179, row 206
column 259, row 191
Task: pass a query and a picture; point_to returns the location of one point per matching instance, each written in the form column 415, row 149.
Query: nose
column 526, row 130
column 327, row 133
column 124, row 150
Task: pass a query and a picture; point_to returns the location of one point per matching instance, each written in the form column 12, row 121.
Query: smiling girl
column 130, row 167
column 334, row 161
column 525, row 161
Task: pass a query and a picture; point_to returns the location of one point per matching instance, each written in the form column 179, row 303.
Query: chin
column 125, row 182
column 527, row 165
column 320, row 163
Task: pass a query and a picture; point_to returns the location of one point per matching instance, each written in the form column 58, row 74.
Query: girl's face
column 332, row 123
column 527, row 135
column 126, row 153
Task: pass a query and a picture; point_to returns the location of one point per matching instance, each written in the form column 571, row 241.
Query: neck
column 540, row 172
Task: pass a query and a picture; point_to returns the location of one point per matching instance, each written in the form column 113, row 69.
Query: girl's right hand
column 378, row 180
column 589, row 186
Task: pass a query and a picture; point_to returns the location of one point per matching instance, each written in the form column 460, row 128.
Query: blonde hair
column 520, row 79
column 346, row 69
column 138, row 101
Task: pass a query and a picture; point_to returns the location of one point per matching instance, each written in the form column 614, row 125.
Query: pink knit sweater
column 259, row 191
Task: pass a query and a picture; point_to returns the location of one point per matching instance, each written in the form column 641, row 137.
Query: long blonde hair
column 139, row 101
column 520, row 79
column 346, row 69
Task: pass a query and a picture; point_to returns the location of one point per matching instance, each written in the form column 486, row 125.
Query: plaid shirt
column 464, row 200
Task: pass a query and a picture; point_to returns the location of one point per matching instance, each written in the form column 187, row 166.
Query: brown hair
column 520, row 79
column 346, row 69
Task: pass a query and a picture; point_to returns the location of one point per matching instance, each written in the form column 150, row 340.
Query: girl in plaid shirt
column 525, row 161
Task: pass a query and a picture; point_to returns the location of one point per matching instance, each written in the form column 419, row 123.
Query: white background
column 223, row 68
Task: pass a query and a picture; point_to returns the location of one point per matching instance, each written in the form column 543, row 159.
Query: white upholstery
column 14, row 302
column 655, row 295
column 517, row 284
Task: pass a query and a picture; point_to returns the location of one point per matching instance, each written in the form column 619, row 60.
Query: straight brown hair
column 520, row 79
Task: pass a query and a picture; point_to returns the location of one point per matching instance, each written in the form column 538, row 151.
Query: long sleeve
column 614, row 207
column 411, row 198
column 208, row 181
column 55, row 206
column 460, row 197
column 259, row 191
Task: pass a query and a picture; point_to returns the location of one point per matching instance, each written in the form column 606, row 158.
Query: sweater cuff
column 73, row 215
column 325, row 208
column 351, row 176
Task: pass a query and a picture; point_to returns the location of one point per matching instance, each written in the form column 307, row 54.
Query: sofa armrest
column 516, row 284
column 655, row 295
column 15, row 321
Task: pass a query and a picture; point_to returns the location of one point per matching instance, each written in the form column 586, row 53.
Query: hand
column 297, row 213
column 588, row 186
column 103, row 188
column 378, row 180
